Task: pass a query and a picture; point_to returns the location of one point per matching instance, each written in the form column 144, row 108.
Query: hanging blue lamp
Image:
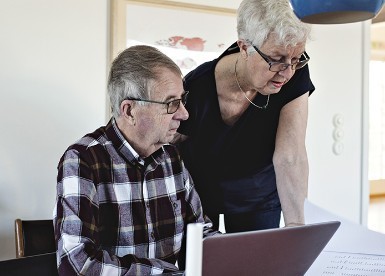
column 336, row 11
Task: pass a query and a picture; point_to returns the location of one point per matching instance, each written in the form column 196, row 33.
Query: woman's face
column 258, row 75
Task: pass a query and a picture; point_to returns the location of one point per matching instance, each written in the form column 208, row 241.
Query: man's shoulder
column 87, row 142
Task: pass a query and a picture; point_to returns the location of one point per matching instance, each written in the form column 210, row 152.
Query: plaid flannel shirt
column 115, row 215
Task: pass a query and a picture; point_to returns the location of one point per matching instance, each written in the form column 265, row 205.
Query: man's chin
column 170, row 137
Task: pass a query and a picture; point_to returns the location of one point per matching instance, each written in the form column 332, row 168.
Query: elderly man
column 124, row 197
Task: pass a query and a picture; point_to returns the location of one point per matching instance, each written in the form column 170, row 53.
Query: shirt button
column 148, row 204
column 175, row 205
column 152, row 235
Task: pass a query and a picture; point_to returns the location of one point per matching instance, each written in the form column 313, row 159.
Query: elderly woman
column 245, row 145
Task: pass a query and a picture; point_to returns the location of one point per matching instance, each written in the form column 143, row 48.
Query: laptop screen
column 282, row 251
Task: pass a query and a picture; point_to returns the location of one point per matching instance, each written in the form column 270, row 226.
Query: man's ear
column 126, row 111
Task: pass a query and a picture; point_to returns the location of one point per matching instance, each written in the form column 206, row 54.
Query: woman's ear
column 243, row 46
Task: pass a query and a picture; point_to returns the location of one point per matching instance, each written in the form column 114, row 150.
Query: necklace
column 244, row 93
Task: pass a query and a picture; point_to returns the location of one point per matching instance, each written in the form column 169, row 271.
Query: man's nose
column 181, row 113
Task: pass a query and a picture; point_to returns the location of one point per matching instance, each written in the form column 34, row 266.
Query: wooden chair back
column 34, row 237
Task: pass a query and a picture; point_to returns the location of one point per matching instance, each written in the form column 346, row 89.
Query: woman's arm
column 290, row 160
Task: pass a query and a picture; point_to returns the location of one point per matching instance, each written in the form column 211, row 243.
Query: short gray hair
column 257, row 19
column 132, row 73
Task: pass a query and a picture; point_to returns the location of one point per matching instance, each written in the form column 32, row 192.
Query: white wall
column 53, row 67
column 339, row 69
column 53, row 59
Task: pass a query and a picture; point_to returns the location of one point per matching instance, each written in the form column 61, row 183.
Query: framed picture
column 190, row 34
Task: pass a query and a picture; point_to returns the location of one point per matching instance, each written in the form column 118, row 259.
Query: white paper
column 194, row 250
column 354, row 250
column 343, row 264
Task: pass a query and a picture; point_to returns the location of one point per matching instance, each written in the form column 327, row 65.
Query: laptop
column 41, row 265
column 274, row 252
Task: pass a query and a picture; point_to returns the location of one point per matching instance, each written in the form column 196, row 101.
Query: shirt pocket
column 170, row 221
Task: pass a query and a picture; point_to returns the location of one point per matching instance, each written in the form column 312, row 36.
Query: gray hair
column 257, row 19
column 133, row 73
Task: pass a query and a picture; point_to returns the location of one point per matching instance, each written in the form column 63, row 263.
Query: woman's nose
column 287, row 73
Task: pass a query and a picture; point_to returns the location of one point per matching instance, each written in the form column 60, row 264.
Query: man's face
column 154, row 126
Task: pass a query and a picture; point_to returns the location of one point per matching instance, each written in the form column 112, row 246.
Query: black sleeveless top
column 216, row 151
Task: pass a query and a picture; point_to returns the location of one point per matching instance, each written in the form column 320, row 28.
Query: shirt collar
column 128, row 152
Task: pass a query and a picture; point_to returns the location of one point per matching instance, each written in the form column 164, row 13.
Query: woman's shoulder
column 204, row 73
column 300, row 81
column 205, row 70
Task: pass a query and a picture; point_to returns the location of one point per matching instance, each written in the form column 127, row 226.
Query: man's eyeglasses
column 276, row 66
column 172, row 106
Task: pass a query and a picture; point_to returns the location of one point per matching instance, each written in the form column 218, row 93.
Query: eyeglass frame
column 182, row 100
column 286, row 65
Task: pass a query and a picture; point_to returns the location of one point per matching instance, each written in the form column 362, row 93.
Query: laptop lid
column 41, row 265
column 282, row 251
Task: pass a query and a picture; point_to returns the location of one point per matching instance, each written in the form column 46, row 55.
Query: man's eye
column 274, row 59
column 278, row 59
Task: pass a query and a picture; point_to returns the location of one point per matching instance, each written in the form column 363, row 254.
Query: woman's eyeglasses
column 172, row 106
column 276, row 66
